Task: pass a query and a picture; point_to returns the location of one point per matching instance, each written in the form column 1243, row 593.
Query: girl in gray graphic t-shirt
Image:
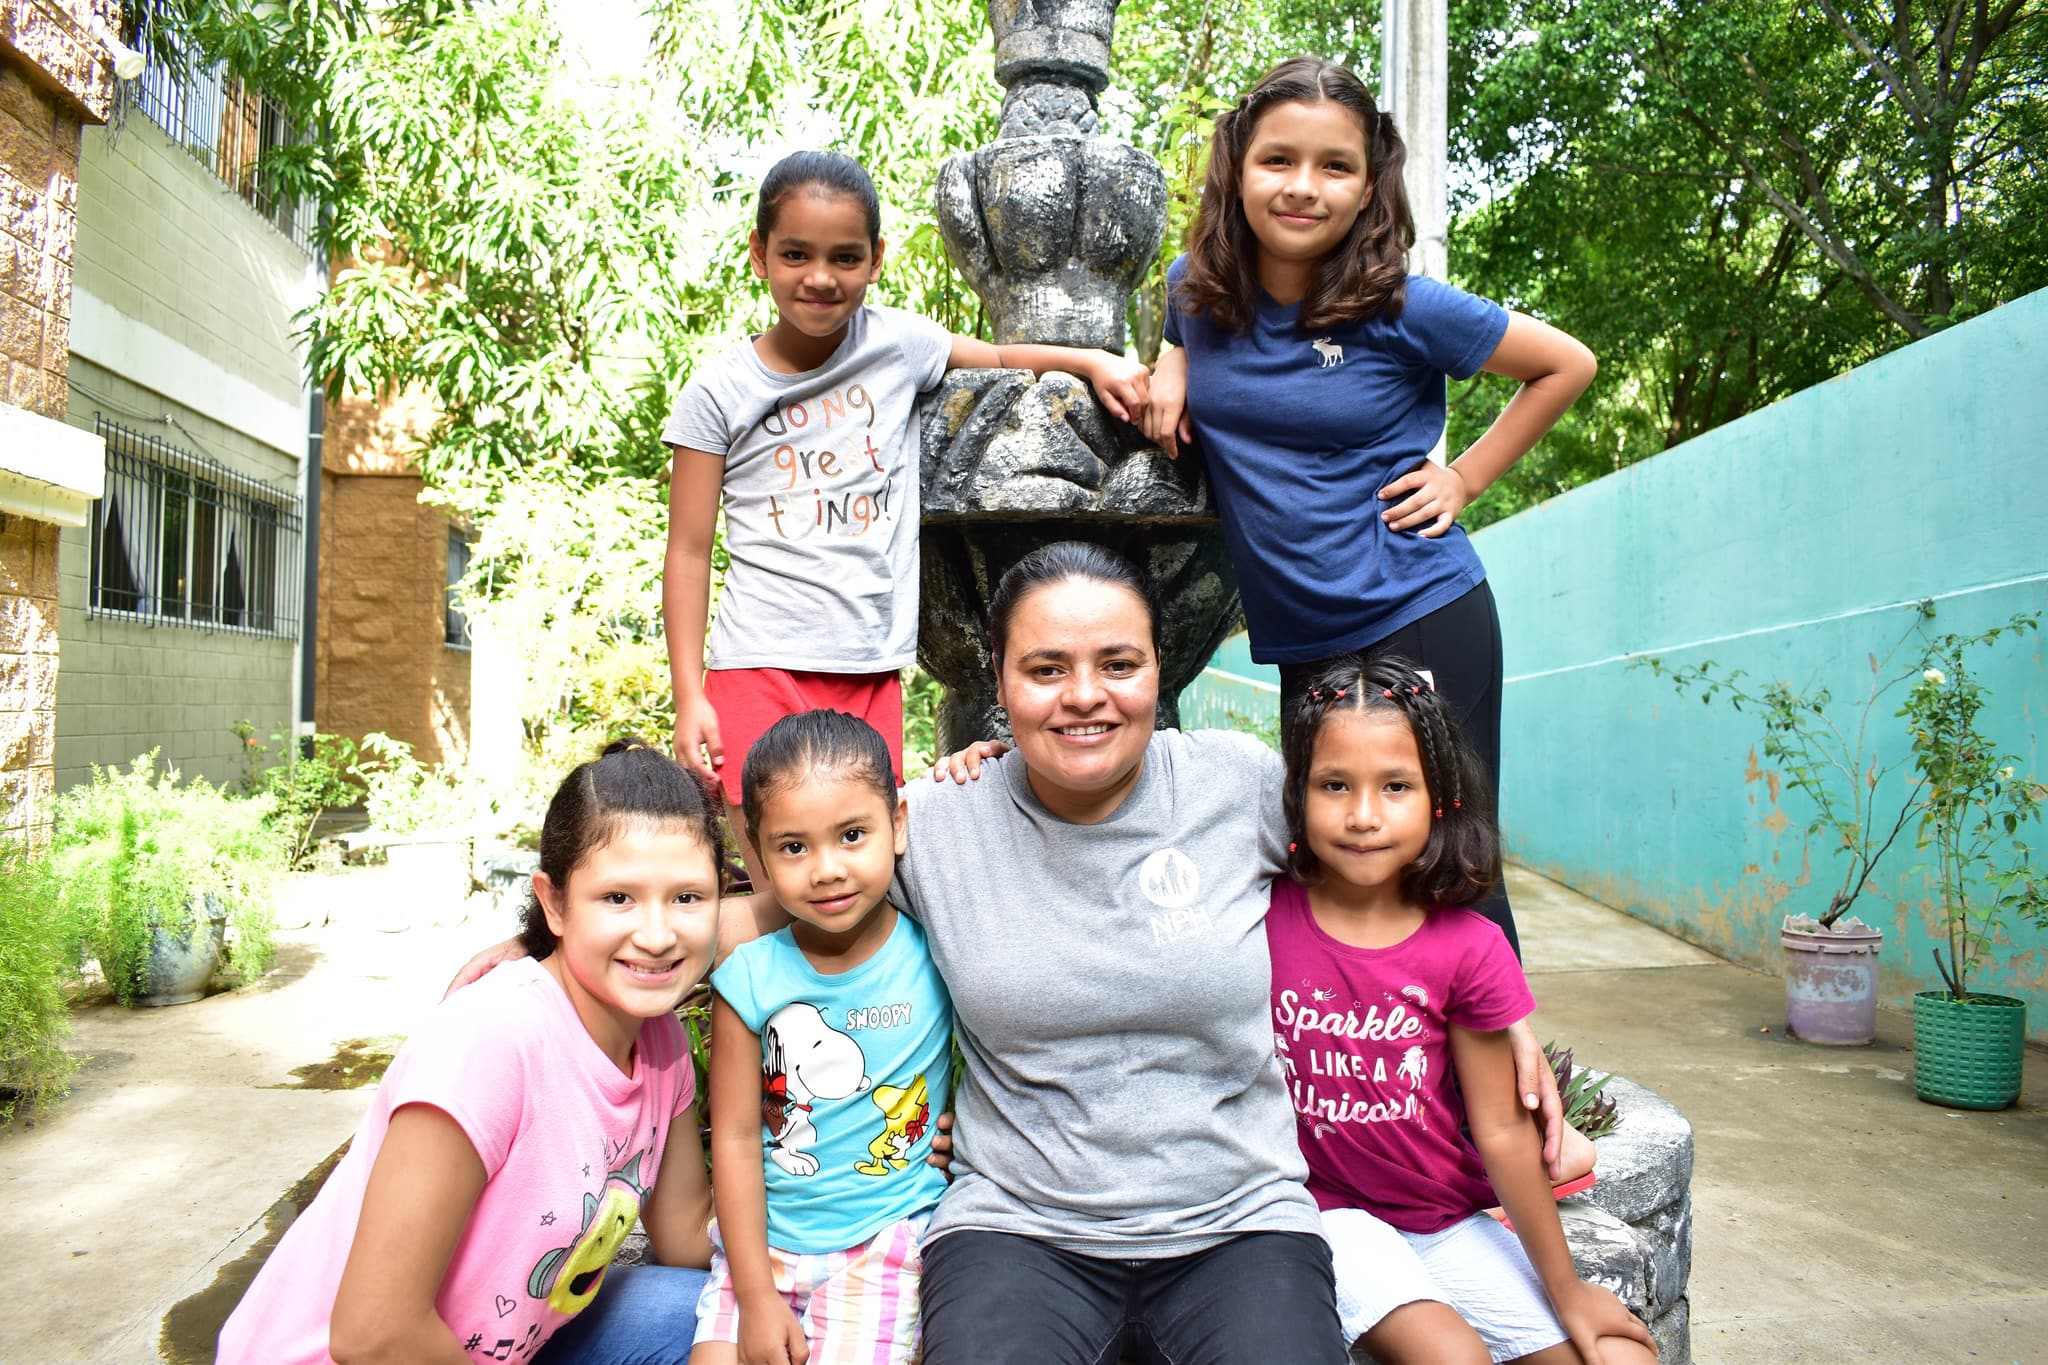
column 806, row 434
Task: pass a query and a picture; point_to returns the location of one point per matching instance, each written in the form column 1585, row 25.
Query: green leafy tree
column 1730, row 203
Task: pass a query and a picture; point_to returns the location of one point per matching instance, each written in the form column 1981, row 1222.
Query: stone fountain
column 1054, row 226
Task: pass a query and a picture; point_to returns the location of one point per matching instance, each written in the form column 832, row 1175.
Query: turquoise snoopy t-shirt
column 854, row 1068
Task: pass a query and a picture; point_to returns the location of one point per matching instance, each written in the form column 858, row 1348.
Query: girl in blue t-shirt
column 1308, row 366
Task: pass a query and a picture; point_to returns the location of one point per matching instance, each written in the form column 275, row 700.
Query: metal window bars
column 226, row 126
column 177, row 538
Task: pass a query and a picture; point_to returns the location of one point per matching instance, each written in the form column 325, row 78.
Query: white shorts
column 1477, row 1267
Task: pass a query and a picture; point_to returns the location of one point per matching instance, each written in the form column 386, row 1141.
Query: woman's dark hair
column 1056, row 563
column 833, row 172
column 1461, row 862
column 629, row 781
column 813, row 742
column 1365, row 275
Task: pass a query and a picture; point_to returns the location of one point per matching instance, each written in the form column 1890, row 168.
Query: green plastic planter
column 1966, row 1053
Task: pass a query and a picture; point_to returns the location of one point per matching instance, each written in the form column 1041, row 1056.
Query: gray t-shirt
column 821, row 505
column 1110, row 988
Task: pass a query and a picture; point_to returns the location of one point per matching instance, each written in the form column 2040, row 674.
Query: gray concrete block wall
column 163, row 240
column 128, row 686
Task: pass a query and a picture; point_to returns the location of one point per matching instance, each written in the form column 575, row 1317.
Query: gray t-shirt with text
column 821, row 496
column 1110, row 985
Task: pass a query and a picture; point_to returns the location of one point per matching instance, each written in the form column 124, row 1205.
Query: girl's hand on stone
column 1166, row 419
column 965, row 765
column 1588, row 1312
column 1123, row 384
column 1435, row 494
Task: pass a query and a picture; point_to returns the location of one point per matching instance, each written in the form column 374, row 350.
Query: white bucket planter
column 435, row 868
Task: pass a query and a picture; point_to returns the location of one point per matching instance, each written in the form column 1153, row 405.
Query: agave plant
column 1585, row 1108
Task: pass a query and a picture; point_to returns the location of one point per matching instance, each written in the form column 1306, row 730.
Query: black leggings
column 1459, row 643
column 993, row 1298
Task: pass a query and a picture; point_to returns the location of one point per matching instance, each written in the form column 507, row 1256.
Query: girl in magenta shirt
column 529, row 1121
column 1390, row 1003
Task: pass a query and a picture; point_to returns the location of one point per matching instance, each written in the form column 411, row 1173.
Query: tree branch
column 1840, row 253
column 1868, row 52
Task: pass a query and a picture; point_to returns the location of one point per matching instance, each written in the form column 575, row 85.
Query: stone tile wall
column 28, row 675
column 384, row 663
column 53, row 79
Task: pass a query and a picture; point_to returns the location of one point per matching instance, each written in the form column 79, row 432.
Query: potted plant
column 420, row 816
column 1968, row 1045
column 1832, row 758
column 165, row 881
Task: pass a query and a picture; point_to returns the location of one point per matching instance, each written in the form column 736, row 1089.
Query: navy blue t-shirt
column 1301, row 432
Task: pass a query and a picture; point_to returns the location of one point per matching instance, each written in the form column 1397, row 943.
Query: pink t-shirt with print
column 1363, row 1035
column 569, row 1145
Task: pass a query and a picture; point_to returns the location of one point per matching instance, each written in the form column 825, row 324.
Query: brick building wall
column 168, row 250
column 384, row 663
column 53, row 79
column 28, row 674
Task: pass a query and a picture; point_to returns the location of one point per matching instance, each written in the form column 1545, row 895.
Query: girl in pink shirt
column 1390, row 1001
column 535, row 1115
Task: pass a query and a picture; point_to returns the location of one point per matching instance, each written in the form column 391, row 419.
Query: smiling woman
column 1126, row 1169
column 1081, row 680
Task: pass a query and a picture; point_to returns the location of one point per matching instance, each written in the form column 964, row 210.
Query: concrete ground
column 1837, row 1218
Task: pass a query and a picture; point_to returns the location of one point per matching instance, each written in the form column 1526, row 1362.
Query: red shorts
column 749, row 700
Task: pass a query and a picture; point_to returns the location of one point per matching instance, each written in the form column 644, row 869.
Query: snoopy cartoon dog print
column 803, row 1060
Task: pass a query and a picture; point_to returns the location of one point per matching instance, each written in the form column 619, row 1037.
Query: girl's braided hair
column 1461, row 862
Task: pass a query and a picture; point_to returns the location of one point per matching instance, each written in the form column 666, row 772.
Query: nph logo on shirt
column 1330, row 351
column 1169, row 879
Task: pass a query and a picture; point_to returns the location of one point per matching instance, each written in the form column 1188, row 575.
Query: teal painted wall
column 1790, row 544
column 1233, row 693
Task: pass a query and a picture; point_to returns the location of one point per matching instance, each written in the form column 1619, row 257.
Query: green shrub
column 135, row 852
column 37, row 952
column 302, row 787
column 402, row 795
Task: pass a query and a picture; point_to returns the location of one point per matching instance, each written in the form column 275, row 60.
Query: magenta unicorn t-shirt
column 570, row 1146
column 1363, row 1036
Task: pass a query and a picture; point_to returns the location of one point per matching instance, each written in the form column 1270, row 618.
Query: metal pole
column 1415, row 55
